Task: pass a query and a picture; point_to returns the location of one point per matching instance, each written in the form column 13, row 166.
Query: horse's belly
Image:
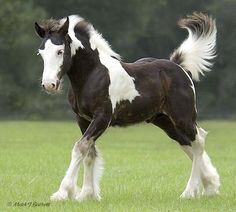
column 127, row 120
column 128, row 115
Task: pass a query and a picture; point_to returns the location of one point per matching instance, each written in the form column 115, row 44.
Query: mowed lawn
column 144, row 169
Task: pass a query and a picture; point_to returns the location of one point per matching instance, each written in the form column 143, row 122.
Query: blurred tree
column 217, row 90
column 15, row 42
column 135, row 28
column 20, row 71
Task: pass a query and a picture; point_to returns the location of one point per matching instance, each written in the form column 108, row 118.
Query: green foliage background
column 135, row 28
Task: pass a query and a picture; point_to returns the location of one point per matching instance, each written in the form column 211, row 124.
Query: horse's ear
column 39, row 30
column 64, row 29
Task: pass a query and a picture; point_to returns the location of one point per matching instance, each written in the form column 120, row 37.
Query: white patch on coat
column 122, row 85
column 52, row 61
column 98, row 42
column 96, row 39
column 76, row 44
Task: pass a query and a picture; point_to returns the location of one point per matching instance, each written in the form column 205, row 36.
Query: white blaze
column 52, row 61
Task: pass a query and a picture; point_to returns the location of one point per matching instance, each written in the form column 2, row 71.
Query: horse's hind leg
column 177, row 131
column 166, row 124
column 202, row 169
column 208, row 172
column 180, row 107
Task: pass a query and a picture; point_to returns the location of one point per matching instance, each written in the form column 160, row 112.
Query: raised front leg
column 81, row 149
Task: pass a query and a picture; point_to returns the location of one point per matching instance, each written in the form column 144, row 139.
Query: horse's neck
column 82, row 66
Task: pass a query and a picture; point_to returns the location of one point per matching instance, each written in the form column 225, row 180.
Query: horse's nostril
column 43, row 86
column 53, row 85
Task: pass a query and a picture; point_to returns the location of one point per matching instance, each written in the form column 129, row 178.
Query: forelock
column 51, row 25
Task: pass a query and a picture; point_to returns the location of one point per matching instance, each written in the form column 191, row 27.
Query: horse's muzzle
column 51, row 86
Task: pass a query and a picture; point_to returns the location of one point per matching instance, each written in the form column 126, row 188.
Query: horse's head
column 55, row 52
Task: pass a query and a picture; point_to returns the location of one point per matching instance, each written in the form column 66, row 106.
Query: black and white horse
column 107, row 92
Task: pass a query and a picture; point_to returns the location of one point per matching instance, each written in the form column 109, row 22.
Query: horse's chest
column 83, row 110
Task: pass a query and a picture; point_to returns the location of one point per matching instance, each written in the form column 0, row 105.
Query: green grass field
column 144, row 169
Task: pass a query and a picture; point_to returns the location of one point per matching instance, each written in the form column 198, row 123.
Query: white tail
column 197, row 51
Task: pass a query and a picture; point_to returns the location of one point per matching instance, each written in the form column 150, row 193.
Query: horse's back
column 146, row 60
column 149, row 67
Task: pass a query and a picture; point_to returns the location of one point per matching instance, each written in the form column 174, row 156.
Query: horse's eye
column 60, row 52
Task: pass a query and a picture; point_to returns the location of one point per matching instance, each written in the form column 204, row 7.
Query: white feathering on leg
column 97, row 174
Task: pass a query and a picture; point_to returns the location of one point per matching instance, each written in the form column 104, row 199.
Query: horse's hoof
column 189, row 194
column 212, row 185
column 76, row 192
column 59, row 196
column 86, row 194
column 210, row 192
